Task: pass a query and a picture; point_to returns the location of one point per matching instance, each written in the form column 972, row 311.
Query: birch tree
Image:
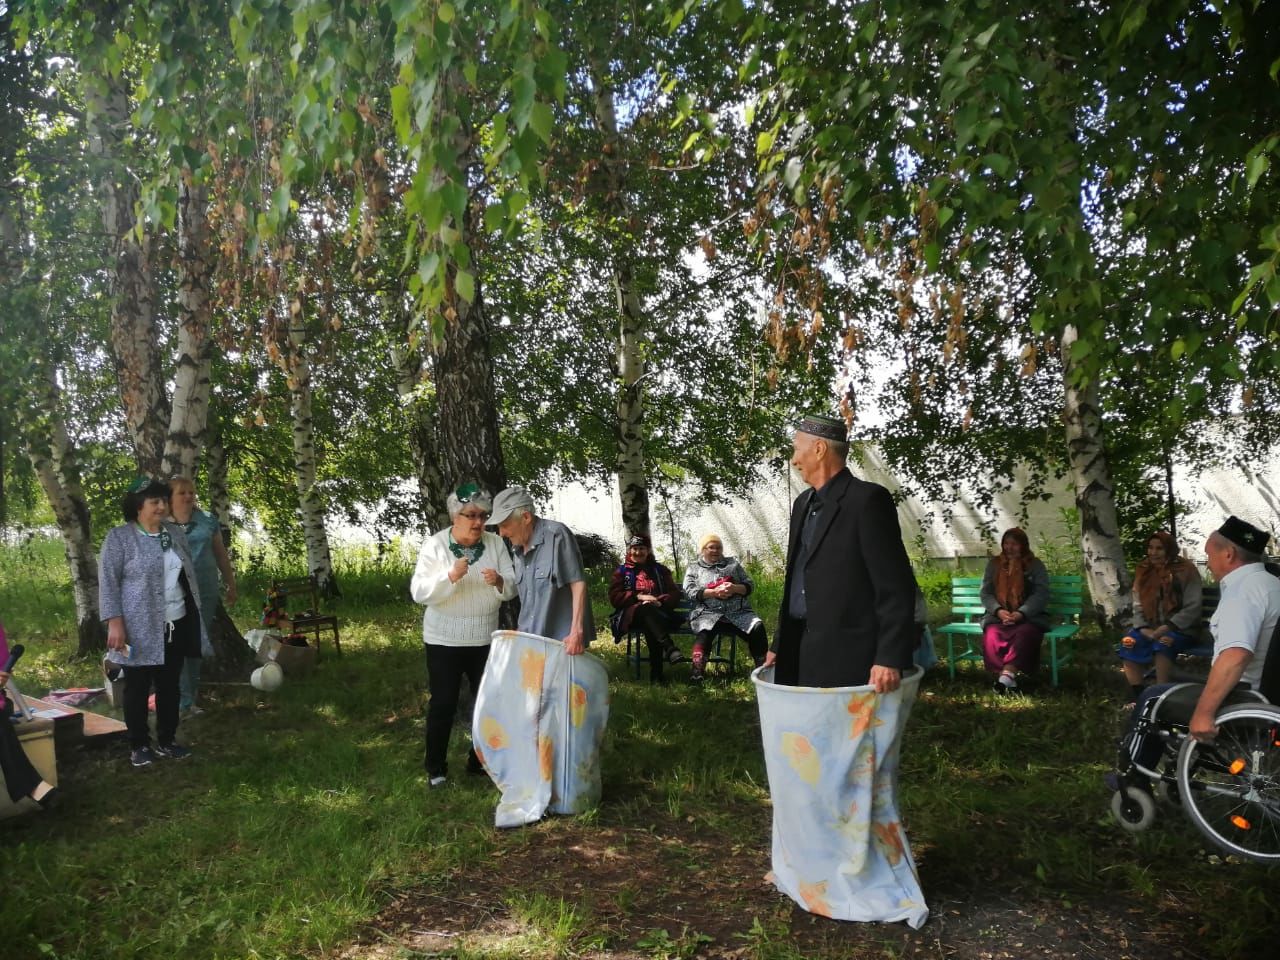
column 970, row 134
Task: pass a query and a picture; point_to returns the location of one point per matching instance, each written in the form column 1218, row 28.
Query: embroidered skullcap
column 824, row 428
column 1244, row 534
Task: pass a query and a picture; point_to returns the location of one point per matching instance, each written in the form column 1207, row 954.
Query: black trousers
column 20, row 777
column 757, row 639
column 164, row 679
column 651, row 620
column 445, row 669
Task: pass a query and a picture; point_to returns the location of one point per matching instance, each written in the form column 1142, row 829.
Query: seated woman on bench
column 718, row 586
column 20, row 777
column 643, row 593
column 1015, row 594
column 1167, row 593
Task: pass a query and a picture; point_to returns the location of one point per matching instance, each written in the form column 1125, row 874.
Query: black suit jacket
column 859, row 590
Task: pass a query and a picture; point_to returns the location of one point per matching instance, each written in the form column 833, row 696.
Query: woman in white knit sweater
column 463, row 575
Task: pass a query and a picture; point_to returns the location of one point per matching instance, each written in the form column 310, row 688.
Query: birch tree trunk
column 53, row 458
column 633, row 483
column 134, row 342
column 219, row 495
column 1104, row 563
column 189, row 421
column 418, row 406
column 469, row 443
column 290, row 353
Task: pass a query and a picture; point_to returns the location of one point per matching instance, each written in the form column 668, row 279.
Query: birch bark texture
column 53, row 457
column 189, row 421
column 1100, row 544
column 418, row 408
column 134, row 340
column 633, row 485
column 470, row 445
column 287, row 347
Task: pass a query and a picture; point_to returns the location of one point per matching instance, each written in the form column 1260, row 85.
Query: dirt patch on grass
column 677, row 889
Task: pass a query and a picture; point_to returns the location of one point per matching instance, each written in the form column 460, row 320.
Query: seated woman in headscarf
column 1015, row 594
column 643, row 593
column 1167, row 593
column 20, row 778
column 719, row 587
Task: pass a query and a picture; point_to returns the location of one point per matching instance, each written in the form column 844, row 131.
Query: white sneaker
column 437, row 782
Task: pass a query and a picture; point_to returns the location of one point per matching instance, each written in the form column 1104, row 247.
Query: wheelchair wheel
column 1133, row 808
column 1231, row 788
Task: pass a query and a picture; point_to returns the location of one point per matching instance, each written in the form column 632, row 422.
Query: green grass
column 305, row 813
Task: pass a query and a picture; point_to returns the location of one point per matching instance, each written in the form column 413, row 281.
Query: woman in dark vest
column 643, row 593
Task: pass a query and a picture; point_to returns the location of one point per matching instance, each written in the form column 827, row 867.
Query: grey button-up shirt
column 544, row 569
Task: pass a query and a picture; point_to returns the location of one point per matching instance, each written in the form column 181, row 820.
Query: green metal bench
column 1066, row 597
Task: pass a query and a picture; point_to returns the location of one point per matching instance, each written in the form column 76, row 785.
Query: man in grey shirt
column 549, row 577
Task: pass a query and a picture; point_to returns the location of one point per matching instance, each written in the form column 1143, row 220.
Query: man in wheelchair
column 1222, row 731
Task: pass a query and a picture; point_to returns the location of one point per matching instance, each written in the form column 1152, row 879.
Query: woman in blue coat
column 148, row 600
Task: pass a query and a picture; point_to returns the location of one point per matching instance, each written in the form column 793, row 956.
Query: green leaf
column 1256, row 165
column 541, row 120
column 428, row 265
column 465, row 284
column 445, row 12
column 932, row 253
column 522, row 92
column 1178, row 348
column 998, row 163
column 400, row 111
column 791, row 173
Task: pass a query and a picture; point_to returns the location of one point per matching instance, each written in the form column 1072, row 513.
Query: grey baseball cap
column 508, row 502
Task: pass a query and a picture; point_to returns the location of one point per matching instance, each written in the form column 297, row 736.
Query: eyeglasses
column 475, row 516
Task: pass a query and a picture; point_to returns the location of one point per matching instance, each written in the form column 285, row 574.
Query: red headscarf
column 1011, row 588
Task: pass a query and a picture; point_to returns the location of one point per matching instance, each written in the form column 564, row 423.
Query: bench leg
column 951, row 655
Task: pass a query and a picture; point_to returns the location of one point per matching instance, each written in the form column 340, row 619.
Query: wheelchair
column 1230, row 788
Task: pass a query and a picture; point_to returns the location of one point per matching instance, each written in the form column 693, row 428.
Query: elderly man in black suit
column 849, row 598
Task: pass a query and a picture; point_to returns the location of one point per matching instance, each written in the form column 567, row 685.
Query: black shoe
column 172, row 751
column 142, row 757
column 50, row 799
column 474, row 766
column 673, row 654
column 697, row 675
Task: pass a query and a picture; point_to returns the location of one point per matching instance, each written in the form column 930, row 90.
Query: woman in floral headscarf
column 1015, row 594
column 1167, row 593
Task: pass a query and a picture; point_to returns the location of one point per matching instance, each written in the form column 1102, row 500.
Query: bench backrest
column 1066, row 598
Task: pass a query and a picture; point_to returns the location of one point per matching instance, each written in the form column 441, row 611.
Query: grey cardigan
column 708, row 611
column 1034, row 608
column 131, row 585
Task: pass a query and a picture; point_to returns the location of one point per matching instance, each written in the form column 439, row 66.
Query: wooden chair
column 1065, row 601
column 310, row 621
